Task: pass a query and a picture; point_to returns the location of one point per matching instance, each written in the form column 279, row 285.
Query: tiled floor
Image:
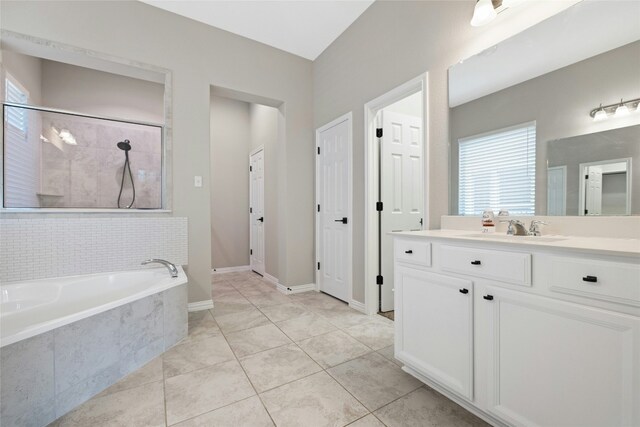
column 261, row 358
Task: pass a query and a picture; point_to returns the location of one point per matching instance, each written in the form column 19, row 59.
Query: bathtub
column 66, row 339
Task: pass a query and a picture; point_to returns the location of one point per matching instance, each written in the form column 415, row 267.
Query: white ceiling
column 302, row 27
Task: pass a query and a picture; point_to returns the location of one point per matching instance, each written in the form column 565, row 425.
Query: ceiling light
column 621, row 110
column 600, row 114
column 483, row 13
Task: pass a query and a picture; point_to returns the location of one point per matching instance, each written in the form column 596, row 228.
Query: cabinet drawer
column 604, row 280
column 413, row 251
column 510, row 267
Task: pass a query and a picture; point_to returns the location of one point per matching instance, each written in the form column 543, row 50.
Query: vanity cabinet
column 524, row 345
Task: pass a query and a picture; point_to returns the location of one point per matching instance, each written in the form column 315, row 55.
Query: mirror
column 81, row 130
column 526, row 120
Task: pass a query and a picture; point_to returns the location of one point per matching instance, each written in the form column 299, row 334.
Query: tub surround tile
column 426, row 407
column 85, row 348
column 375, row 335
column 26, row 382
column 238, row 321
column 374, row 380
column 258, row 339
column 141, row 324
column 271, row 368
column 317, row 400
column 149, row 373
column 175, row 315
column 305, row 326
column 80, row 392
column 333, row 348
column 116, row 409
column 205, row 390
column 248, row 412
column 196, row 354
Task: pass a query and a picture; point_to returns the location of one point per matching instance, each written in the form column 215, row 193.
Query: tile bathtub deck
column 261, row 358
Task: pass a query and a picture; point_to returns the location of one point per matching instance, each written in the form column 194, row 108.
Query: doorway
column 605, row 187
column 333, row 208
column 395, row 183
column 256, row 210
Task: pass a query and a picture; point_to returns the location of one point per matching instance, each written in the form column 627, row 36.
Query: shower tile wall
column 89, row 174
column 54, row 247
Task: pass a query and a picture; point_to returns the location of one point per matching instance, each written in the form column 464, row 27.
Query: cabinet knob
column 592, row 279
column 488, row 297
column 476, row 262
column 464, row 291
column 408, row 252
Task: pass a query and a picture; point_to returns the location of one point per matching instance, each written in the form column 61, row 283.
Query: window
column 16, row 117
column 497, row 171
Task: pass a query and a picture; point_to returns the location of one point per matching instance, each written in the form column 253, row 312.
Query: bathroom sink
column 506, row 237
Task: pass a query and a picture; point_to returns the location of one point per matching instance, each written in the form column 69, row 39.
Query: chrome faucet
column 534, row 228
column 516, row 227
column 171, row 267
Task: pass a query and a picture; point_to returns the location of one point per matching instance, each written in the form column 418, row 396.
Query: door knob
column 261, row 219
column 343, row 220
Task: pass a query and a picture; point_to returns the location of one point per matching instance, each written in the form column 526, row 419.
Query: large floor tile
column 345, row 317
column 149, row 373
column 196, row 354
column 254, row 340
column 204, row 390
column 318, row 300
column 278, row 366
column 375, row 335
column 201, row 324
column 248, row 412
column 314, row 401
column 333, row 348
column 368, row 421
column 388, row 352
column 305, row 326
column 225, row 307
column 426, row 408
column 267, row 299
column 374, row 380
column 238, row 321
column 140, row 406
column 280, row 312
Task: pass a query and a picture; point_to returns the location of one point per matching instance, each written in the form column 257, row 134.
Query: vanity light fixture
column 483, row 13
column 618, row 109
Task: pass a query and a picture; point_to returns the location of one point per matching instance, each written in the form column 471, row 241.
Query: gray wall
column 559, row 102
column 230, row 147
column 200, row 56
column 27, row 70
column 390, row 44
column 264, row 131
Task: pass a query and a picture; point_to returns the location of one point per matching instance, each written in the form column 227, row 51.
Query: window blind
column 497, row 171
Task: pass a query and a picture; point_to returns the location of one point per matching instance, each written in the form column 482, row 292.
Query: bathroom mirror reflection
column 524, row 130
column 55, row 159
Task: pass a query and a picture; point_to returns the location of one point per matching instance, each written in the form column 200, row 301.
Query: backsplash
column 54, row 247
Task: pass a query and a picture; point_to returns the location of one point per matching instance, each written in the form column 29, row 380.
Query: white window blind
column 497, row 171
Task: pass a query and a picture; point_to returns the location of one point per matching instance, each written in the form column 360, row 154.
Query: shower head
column 124, row 145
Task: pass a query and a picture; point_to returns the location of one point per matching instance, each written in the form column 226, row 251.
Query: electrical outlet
column 197, row 181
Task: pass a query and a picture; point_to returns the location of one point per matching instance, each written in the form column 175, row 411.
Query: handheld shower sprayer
column 126, row 147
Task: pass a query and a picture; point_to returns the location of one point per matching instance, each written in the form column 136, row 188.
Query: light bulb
column 483, row 13
column 622, row 110
column 600, row 115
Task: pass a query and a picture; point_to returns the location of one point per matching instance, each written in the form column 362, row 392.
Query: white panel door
column 256, row 211
column 593, row 196
column 434, row 327
column 557, row 190
column 402, row 187
column 555, row 363
column 334, row 224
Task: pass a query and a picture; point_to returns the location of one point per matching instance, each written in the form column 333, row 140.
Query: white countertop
column 598, row 245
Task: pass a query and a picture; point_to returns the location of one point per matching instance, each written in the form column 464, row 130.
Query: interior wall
column 264, row 132
column 200, row 56
column 88, row 91
column 559, row 102
column 27, row 70
column 390, row 44
column 230, row 147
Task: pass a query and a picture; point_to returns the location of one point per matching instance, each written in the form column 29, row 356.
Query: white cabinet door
column 554, row 363
column 434, row 329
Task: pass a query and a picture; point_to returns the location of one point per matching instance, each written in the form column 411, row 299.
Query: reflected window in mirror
column 497, row 171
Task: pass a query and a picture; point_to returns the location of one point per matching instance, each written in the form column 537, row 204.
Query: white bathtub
column 33, row 307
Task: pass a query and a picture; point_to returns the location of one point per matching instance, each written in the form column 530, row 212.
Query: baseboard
column 230, row 269
column 296, row 289
column 271, row 279
column 200, row 305
column 356, row 305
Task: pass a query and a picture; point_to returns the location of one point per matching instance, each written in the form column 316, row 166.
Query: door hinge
column 318, row 265
column 318, row 150
column 250, row 251
column 586, row 211
column 318, row 208
column 379, row 280
column 250, row 168
column 421, row 222
column 379, row 206
column 379, row 133
column 250, row 210
column 586, row 177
